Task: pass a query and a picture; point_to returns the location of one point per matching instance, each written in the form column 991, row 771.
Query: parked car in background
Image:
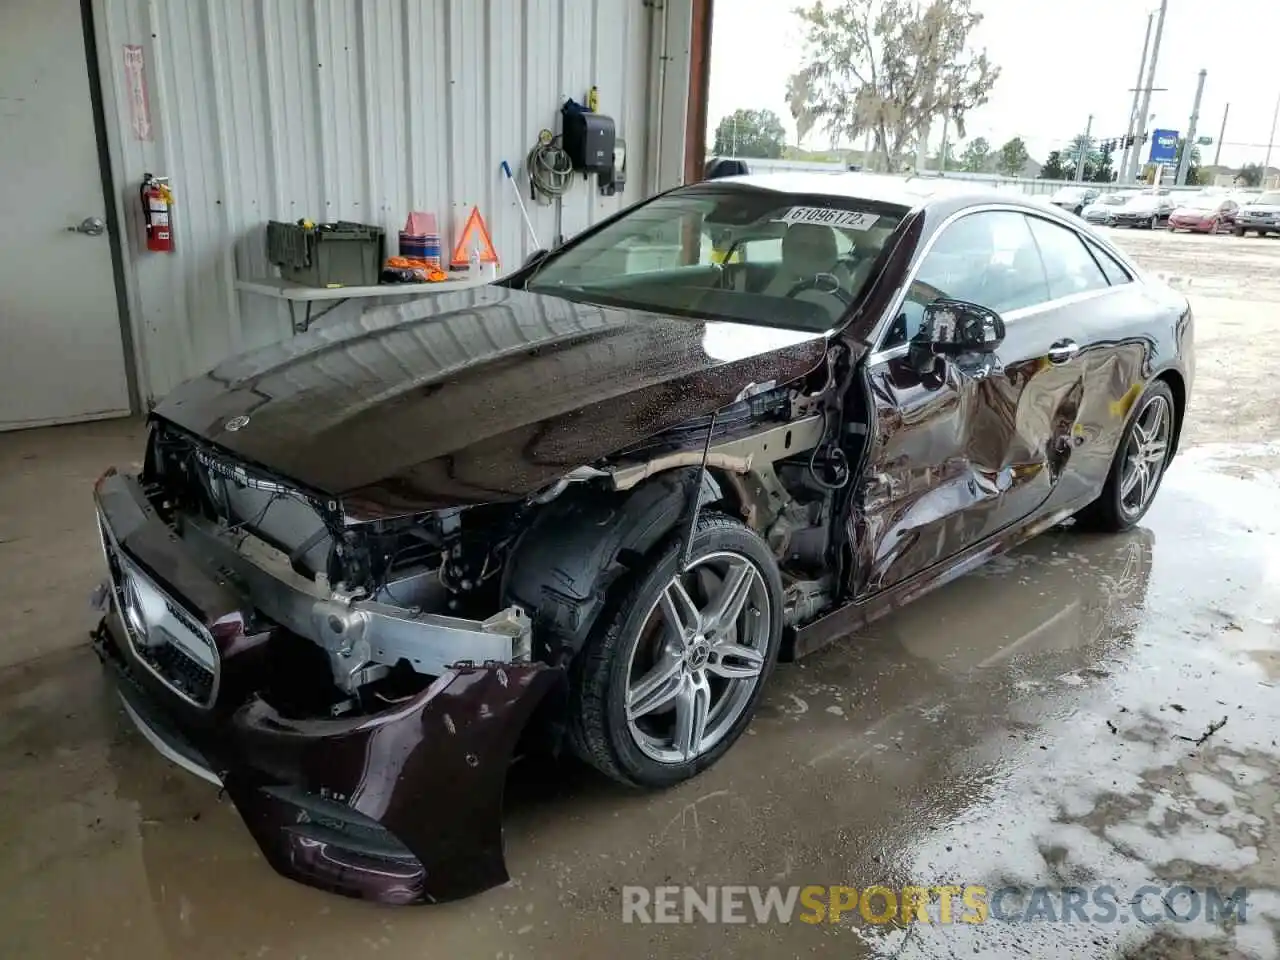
column 1149, row 209
column 1262, row 216
column 1204, row 213
column 1103, row 210
column 1075, row 199
column 591, row 504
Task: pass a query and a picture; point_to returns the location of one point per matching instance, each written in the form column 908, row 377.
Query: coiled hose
column 550, row 170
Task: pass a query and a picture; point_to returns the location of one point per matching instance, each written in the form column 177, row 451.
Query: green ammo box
column 326, row 254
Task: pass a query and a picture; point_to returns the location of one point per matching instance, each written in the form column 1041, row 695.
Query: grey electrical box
column 589, row 140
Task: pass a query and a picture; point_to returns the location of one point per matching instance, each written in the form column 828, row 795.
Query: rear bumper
column 399, row 806
column 1130, row 221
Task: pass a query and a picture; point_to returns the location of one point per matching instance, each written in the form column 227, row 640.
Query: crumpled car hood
column 474, row 396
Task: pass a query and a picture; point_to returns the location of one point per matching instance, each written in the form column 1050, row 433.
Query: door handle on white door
column 91, row 226
column 1063, row 350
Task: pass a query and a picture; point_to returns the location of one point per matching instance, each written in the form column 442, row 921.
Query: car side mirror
column 951, row 328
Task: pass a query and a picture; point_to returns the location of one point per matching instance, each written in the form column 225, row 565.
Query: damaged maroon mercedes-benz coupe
column 591, row 506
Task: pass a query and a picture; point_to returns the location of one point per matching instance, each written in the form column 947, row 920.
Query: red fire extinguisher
column 157, row 205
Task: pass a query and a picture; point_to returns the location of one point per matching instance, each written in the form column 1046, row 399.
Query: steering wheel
column 823, row 283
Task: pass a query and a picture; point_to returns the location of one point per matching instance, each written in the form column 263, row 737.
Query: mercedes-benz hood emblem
column 236, row 423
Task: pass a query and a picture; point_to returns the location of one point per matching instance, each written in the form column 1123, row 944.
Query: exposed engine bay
column 389, row 604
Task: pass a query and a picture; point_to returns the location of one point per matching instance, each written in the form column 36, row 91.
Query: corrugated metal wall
column 346, row 109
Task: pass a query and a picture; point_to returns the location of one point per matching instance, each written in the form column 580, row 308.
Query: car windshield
column 1067, row 193
column 1271, row 197
column 729, row 252
column 1141, row 200
column 1114, row 199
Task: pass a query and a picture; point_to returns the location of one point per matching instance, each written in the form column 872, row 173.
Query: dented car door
column 978, row 443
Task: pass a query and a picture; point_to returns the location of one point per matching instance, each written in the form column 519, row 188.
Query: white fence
column 988, row 181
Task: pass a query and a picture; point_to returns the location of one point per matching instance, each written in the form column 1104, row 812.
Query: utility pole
column 1266, row 164
column 1084, row 147
column 1144, row 113
column 1137, row 92
column 1189, row 141
column 1222, row 133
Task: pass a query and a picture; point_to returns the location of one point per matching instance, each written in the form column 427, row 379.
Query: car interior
column 768, row 271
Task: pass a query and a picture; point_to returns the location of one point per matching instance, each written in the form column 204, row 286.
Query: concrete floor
column 1021, row 726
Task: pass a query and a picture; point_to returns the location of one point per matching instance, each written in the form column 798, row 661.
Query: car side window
column 987, row 258
column 1067, row 263
column 1116, row 274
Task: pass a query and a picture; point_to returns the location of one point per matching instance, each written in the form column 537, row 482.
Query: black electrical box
column 589, row 140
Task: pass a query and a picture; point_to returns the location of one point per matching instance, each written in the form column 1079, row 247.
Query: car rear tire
column 670, row 677
column 1155, row 222
column 1139, row 463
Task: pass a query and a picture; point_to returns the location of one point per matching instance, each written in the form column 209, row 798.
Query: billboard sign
column 1164, row 146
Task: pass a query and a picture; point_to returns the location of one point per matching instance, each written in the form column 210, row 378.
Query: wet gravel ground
column 1088, row 711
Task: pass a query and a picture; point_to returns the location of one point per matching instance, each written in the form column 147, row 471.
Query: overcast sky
column 1058, row 66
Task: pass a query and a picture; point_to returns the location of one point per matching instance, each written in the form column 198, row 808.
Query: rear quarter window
column 1115, row 271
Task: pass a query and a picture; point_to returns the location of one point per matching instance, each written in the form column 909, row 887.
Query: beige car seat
column 808, row 249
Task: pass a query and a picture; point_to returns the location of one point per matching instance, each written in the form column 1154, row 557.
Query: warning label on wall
column 135, row 76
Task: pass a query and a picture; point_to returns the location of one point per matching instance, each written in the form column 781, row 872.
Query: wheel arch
column 1178, row 387
column 580, row 546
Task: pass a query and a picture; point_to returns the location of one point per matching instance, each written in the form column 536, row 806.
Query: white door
column 61, row 350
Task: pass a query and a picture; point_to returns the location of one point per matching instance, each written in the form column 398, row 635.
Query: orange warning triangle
column 462, row 252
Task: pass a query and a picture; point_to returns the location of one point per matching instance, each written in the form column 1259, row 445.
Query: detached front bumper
column 401, row 806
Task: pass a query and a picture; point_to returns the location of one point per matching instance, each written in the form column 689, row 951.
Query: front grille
column 182, row 672
column 164, row 638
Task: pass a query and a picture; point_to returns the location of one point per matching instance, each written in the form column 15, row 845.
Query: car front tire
column 1139, row 463
column 672, row 674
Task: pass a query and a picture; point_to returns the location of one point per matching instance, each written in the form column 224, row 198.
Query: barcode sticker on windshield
column 844, row 219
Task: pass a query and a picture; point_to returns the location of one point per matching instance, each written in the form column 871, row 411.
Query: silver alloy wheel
column 1145, row 455
column 698, row 658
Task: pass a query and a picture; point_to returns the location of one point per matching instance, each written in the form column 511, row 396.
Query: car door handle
column 1063, row 350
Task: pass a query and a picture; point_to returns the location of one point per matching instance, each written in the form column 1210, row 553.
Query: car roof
column 912, row 192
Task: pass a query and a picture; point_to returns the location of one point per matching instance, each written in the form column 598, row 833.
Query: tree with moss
column 888, row 68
